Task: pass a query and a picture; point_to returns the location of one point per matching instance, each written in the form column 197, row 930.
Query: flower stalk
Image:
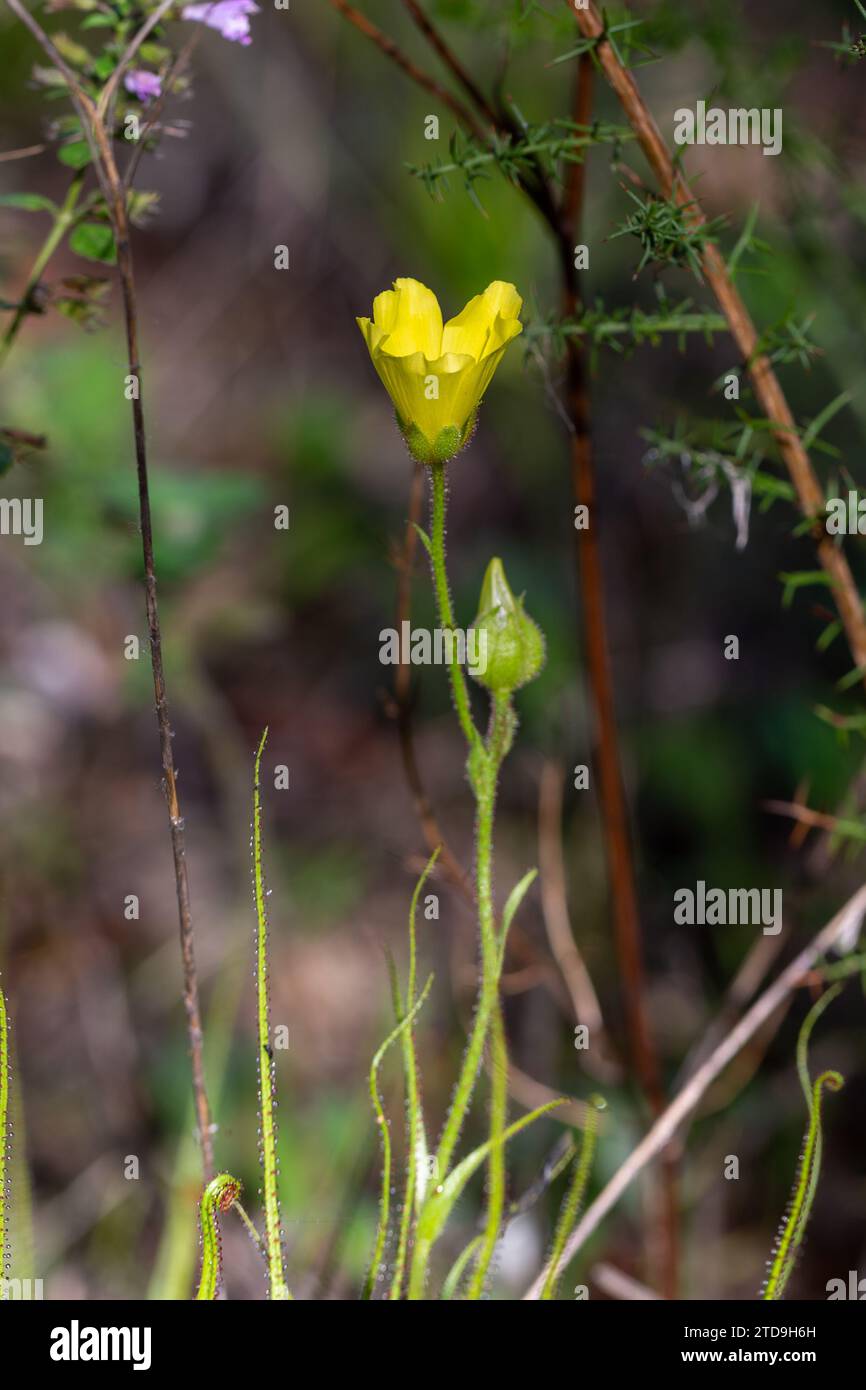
column 513, row 654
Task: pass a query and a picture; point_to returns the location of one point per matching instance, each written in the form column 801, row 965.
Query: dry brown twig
column 563, row 946
column 615, row 1284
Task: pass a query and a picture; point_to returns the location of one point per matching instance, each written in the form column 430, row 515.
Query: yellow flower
column 436, row 375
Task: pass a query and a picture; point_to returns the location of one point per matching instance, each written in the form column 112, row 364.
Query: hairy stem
column 219, row 1196
column 801, row 1203
column 273, row 1233
column 499, row 739
column 443, row 600
column 484, row 762
column 573, row 1198
column 416, row 1138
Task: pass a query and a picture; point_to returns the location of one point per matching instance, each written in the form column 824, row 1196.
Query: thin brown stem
column 176, row 821
column 112, row 185
column 614, row 1284
column 452, row 63
column 26, row 153
column 396, row 54
column 155, row 111
column 804, row 815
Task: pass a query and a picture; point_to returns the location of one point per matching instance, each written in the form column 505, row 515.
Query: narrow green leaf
column 851, row 679
column 440, row 1203
column 424, row 538
column 574, row 1197
column 458, row 1269
column 27, row 202
column 382, row 1123
column 800, row 579
column 515, row 898
column 824, row 418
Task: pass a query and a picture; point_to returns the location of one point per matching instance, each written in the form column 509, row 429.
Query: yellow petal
column 488, row 322
column 410, row 318
column 431, row 395
column 463, row 392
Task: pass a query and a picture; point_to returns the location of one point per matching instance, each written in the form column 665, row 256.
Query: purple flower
column 144, row 85
column 229, row 17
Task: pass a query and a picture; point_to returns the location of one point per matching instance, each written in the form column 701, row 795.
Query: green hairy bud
column 510, row 644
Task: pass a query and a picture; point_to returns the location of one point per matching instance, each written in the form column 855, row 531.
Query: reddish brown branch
column 451, row 61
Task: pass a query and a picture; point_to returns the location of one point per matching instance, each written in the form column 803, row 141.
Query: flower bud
column 509, row 644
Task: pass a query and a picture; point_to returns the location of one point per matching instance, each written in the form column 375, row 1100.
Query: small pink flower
column 144, row 85
column 229, row 17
